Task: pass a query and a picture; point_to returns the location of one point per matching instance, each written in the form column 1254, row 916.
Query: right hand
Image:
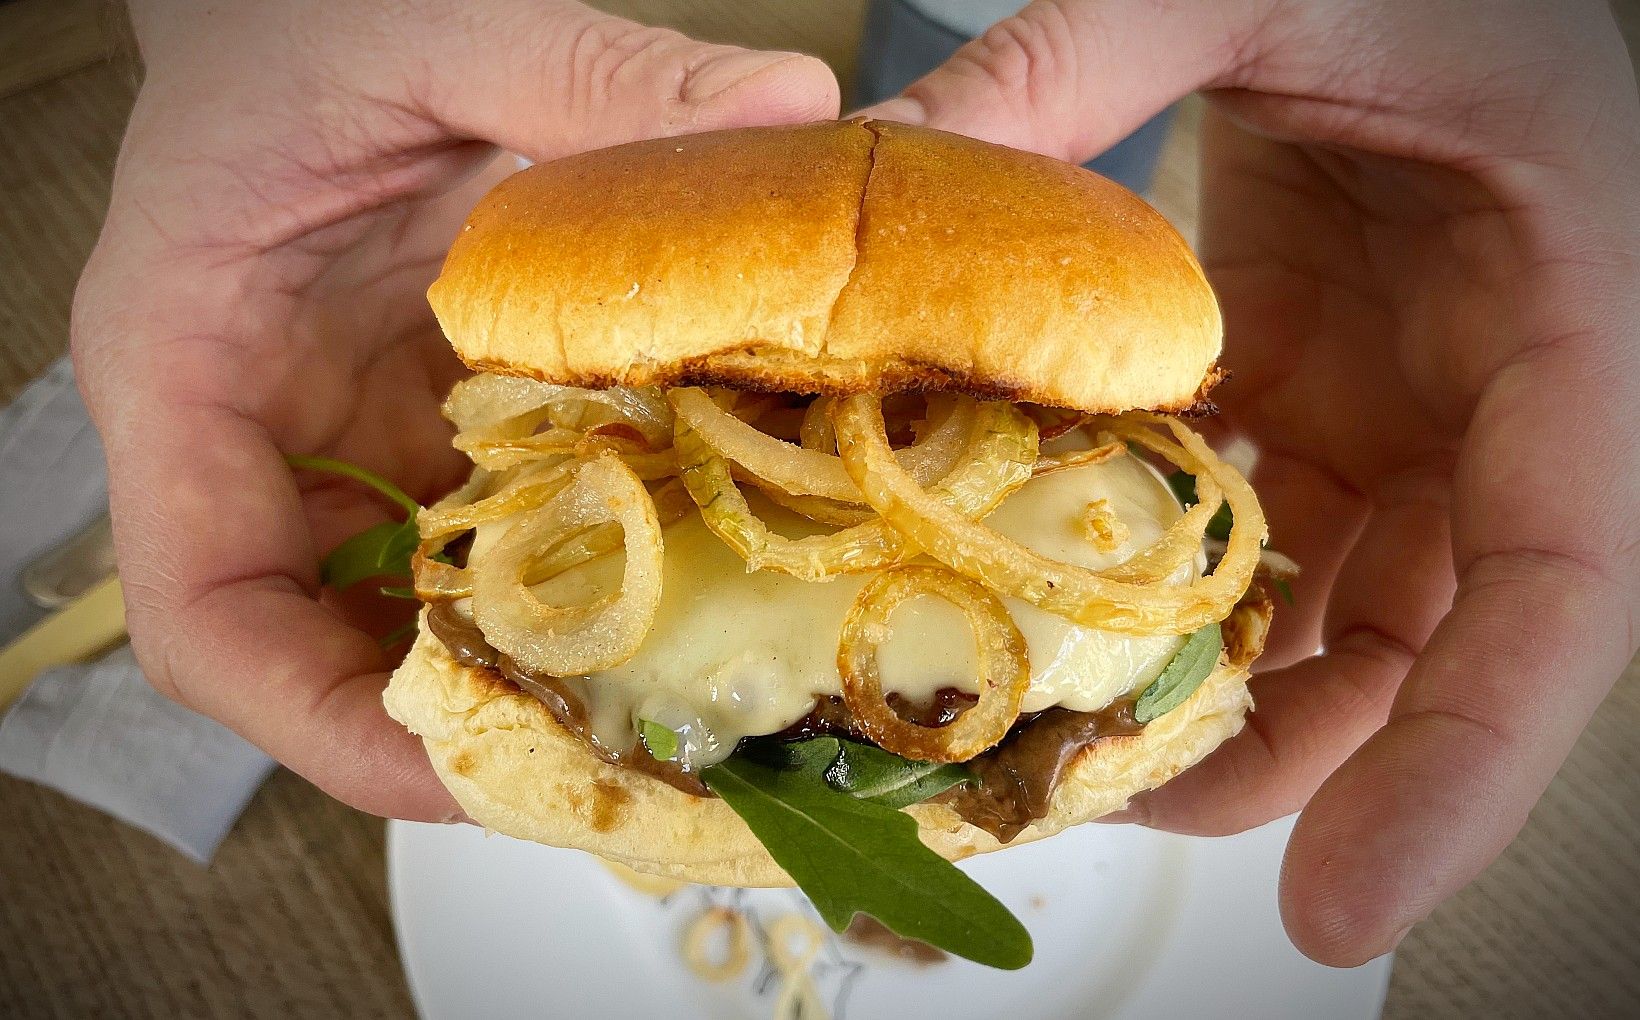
column 291, row 177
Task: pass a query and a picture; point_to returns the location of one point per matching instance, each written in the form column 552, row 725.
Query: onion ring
column 805, row 472
column 672, row 503
column 1186, row 536
column 434, row 579
column 1087, row 597
column 815, row 508
column 815, row 433
column 498, row 407
column 997, row 460
column 528, row 491
column 1004, row 669
column 1048, row 464
column 575, row 640
column 737, row 952
column 798, row 999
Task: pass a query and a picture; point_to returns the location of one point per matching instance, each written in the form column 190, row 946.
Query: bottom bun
column 515, row 770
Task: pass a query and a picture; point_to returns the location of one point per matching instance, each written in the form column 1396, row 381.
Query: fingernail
column 720, row 74
column 1121, row 817
column 904, row 109
column 1134, row 812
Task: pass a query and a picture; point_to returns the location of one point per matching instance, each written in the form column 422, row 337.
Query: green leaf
column 662, row 741
column 852, row 855
column 1183, row 484
column 860, row 770
column 331, row 466
column 380, row 551
column 395, row 592
column 871, row 773
column 812, row 757
column 1181, row 676
column 1286, row 589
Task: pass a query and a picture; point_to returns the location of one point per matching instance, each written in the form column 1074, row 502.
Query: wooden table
column 292, row 918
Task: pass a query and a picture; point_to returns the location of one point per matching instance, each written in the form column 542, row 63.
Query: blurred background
column 292, row 915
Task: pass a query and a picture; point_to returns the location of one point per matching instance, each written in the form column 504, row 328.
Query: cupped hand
column 291, row 177
column 1423, row 223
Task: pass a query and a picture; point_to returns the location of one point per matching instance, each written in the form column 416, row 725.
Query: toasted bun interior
column 515, row 770
column 832, row 258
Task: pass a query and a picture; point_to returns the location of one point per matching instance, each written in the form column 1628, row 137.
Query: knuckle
column 609, row 55
column 1027, row 54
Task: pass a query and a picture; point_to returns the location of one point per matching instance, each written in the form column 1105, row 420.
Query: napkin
column 98, row 732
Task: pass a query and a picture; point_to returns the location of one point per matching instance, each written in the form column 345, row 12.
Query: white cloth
column 98, row 732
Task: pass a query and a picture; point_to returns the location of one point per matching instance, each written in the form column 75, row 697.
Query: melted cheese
column 734, row 654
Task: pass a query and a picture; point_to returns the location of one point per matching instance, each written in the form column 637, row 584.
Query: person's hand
column 1422, row 219
column 291, row 177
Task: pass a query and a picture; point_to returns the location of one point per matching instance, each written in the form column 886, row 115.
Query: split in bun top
column 832, row 258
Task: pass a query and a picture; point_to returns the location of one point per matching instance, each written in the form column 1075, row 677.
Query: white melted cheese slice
column 735, row 654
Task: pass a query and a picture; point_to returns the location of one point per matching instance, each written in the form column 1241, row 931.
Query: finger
column 1316, row 520
column 549, row 79
column 1547, row 545
column 1391, row 592
column 220, row 577
column 1070, row 79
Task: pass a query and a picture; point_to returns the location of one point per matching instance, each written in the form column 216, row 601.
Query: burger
column 835, row 514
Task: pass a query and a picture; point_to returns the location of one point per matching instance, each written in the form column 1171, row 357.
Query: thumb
column 1070, row 78
column 545, row 80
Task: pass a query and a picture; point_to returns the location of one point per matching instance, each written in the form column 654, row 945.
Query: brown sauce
column 1016, row 779
column 468, row 646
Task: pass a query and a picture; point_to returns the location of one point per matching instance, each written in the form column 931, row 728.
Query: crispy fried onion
column 499, row 419
column 697, row 939
column 1128, row 599
column 1004, row 670
column 999, row 451
column 802, row 471
column 527, row 490
column 793, row 942
column 573, row 640
column 1051, row 463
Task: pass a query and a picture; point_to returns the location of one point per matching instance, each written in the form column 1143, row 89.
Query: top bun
column 832, row 258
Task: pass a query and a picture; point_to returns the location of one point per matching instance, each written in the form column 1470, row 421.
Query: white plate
column 1127, row 923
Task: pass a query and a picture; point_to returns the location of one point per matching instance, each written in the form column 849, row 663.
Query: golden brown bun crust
column 835, row 257
column 515, row 770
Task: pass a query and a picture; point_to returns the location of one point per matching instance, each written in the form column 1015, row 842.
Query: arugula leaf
column 380, row 551
column 1183, row 484
column 332, row 466
column 1286, row 589
column 852, row 855
column 871, row 773
column 860, row 770
column 812, row 757
column 391, row 591
column 1182, row 675
column 662, row 741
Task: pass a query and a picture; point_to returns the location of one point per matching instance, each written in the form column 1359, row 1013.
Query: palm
column 1358, row 391
column 346, row 361
column 1357, row 411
